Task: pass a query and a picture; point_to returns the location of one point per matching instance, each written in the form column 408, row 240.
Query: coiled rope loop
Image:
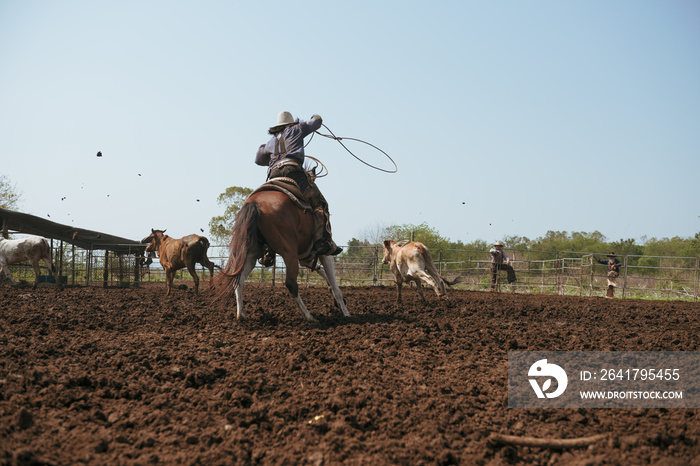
column 339, row 139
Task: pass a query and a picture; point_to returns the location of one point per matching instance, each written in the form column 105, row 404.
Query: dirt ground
column 128, row 376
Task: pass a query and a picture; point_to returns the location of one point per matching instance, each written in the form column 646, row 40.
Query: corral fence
column 564, row 273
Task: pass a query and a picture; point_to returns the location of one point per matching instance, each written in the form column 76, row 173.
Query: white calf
column 32, row 249
column 412, row 262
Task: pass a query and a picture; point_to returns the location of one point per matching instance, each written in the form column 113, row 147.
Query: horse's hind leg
column 328, row 273
column 247, row 268
column 5, row 272
column 419, row 288
column 195, row 277
column 53, row 271
column 432, row 281
column 210, row 267
column 169, row 277
column 37, row 272
column 292, row 264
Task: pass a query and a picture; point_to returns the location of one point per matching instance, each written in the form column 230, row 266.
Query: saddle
column 286, row 186
column 289, row 187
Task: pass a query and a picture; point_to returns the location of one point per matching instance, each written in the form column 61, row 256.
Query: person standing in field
column 613, row 265
column 500, row 261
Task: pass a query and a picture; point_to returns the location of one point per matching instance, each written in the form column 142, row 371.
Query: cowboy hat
column 498, row 243
column 283, row 119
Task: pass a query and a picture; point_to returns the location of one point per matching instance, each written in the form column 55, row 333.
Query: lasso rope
column 339, row 139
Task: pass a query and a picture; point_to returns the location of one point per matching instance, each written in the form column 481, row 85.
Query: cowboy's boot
column 322, row 240
column 611, row 292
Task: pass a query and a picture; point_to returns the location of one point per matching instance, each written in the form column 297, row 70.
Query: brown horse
column 176, row 254
column 270, row 217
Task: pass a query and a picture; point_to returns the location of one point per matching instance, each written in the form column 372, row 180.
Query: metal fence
column 566, row 273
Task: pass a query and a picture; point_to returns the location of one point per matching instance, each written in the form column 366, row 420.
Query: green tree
column 628, row 247
column 232, row 199
column 669, row 247
column 423, row 233
column 9, row 197
column 517, row 242
column 695, row 245
column 577, row 242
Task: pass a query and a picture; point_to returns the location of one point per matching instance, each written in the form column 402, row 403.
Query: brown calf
column 175, row 254
column 412, row 262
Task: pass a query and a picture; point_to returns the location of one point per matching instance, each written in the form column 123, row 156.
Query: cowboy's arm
column 263, row 155
column 308, row 127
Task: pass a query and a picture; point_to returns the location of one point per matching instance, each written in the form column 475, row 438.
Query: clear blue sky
column 504, row 117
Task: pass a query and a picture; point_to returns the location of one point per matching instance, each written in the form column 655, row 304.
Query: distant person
column 500, row 261
column 613, row 272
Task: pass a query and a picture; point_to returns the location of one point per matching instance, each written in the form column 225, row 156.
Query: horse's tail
column 243, row 236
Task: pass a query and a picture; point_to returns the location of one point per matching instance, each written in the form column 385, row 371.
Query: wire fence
column 564, row 273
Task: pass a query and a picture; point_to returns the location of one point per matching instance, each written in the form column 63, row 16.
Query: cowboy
column 500, row 261
column 284, row 156
column 613, row 272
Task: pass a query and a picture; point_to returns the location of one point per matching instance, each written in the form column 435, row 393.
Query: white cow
column 412, row 262
column 32, row 249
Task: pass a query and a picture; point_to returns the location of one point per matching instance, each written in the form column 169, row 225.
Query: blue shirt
column 292, row 139
column 613, row 264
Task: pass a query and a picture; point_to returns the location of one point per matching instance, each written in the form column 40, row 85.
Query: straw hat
column 283, row 119
column 498, row 243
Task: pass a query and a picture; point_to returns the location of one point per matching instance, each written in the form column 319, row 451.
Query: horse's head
column 153, row 240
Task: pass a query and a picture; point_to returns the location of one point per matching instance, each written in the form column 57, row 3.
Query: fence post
column 558, row 273
column 375, row 260
column 543, row 272
column 60, row 262
column 105, row 272
column 88, row 267
column 697, row 275
column 624, row 278
column 137, row 270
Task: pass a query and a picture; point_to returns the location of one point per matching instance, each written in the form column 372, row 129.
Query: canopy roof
column 86, row 239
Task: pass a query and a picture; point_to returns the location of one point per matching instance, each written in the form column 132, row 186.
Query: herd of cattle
column 409, row 261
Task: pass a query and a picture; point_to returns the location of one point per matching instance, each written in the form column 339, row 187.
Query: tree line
column 566, row 244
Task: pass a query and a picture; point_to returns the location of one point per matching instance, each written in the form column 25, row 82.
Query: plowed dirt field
column 128, row 376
